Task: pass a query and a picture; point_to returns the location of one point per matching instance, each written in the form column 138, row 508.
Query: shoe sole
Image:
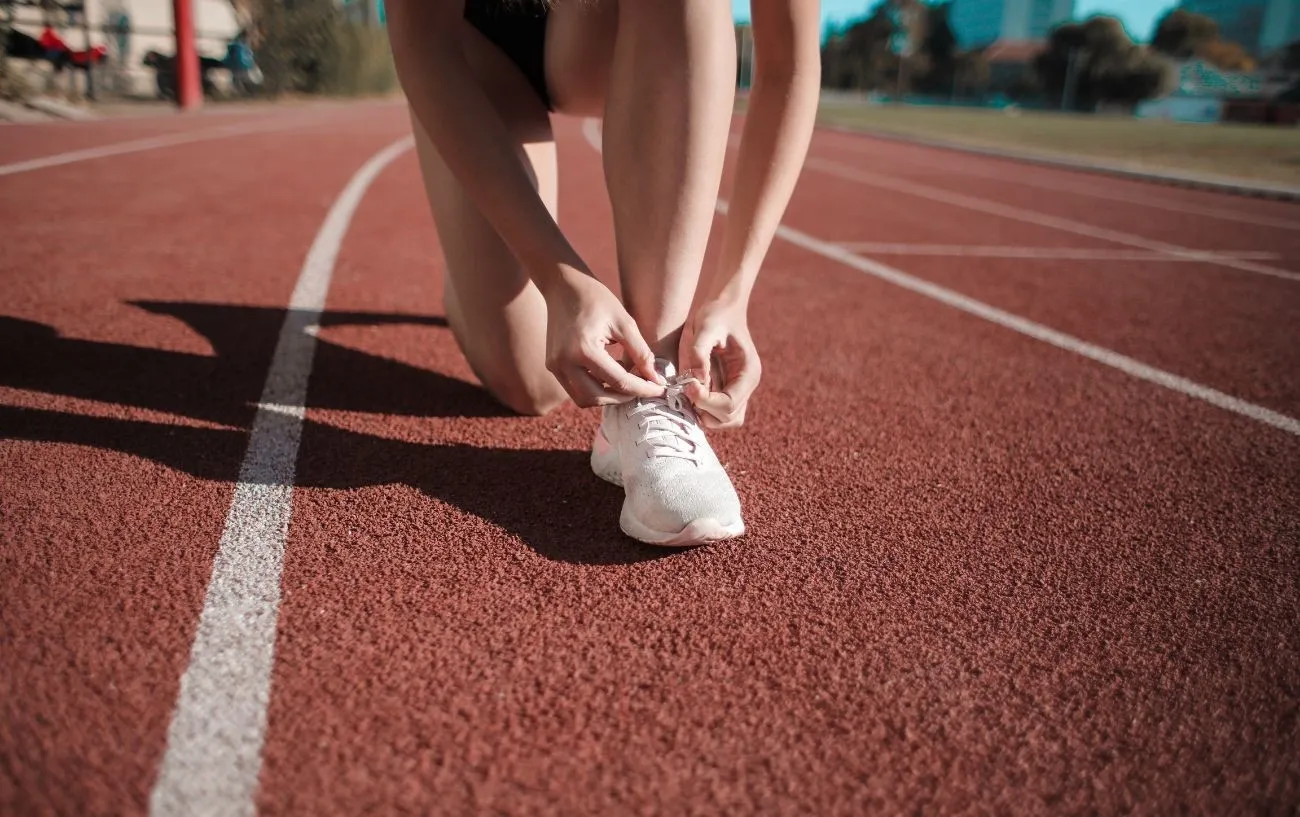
column 604, row 464
column 699, row 532
column 604, row 460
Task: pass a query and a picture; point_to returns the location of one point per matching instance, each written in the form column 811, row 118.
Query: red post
column 189, row 92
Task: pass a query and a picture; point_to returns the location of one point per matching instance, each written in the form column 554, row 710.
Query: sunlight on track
column 975, row 203
column 1038, row 331
column 1057, row 184
column 155, row 142
column 1047, row 253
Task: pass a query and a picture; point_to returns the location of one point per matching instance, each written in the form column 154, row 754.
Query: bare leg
column 668, row 107
column 496, row 313
column 668, row 95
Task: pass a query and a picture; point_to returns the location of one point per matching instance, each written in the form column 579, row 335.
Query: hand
column 719, row 331
column 583, row 319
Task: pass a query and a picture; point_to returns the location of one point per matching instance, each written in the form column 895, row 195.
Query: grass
column 1257, row 152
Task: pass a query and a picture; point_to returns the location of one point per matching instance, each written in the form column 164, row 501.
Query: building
column 1281, row 25
column 1259, row 26
column 1011, row 63
column 977, row 23
column 1202, row 93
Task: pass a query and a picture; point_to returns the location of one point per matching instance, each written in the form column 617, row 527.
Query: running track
column 1022, row 478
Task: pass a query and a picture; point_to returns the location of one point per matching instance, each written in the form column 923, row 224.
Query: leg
column 496, row 313
column 669, row 91
column 666, row 90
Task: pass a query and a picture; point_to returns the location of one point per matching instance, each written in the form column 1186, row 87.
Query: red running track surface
column 984, row 574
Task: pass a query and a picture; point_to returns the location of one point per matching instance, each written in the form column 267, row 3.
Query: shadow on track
column 224, row 387
column 549, row 499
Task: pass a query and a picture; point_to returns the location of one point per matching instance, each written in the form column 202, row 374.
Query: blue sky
column 1139, row 16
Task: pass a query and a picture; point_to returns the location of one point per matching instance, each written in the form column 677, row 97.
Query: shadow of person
column 550, row 500
column 225, row 387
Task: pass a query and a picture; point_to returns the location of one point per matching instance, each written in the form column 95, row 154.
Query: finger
column 639, row 352
column 746, row 380
column 720, row 409
column 697, row 393
column 587, row 391
column 734, row 421
column 696, row 357
column 717, row 403
column 604, row 366
column 578, row 393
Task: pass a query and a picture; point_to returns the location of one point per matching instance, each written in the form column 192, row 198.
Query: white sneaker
column 678, row 493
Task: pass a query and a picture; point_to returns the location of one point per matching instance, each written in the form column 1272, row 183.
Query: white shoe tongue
column 665, row 367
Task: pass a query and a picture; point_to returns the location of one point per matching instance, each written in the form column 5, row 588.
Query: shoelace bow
column 667, row 421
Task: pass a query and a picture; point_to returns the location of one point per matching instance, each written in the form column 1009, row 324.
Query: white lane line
column 1100, row 354
column 281, row 122
column 1066, row 186
column 1047, row 253
column 1038, row 331
column 214, row 745
column 993, row 208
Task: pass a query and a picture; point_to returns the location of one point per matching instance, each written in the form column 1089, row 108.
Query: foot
column 678, row 493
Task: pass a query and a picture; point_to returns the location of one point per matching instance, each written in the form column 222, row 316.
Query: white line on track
column 1047, row 253
column 1061, row 185
column 214, row 745
column 1038, row 331
column 591, row 130
column 993, row 208
column 281, row 122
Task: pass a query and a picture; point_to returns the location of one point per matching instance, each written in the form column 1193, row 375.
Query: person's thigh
column 580, row 38
column 496, row 313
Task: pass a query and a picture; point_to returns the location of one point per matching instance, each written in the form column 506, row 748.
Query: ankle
column 663, row 342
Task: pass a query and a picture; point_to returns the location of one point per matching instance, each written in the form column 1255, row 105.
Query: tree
column 310, row 46
column 1130, row 77
column 865, row 54
column 1095, row 61
column 1183, row 35
column 971, row 72
column 1227, row 56
column 940, row 48
column 1291, row 57
column 860, row 56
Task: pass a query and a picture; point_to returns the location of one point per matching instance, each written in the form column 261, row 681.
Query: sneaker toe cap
column 671, row 505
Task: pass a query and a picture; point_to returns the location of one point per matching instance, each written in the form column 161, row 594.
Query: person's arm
column 584, row 318
column 773, row 145
column 778, row 126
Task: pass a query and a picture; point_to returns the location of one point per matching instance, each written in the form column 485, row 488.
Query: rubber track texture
column 981, row 574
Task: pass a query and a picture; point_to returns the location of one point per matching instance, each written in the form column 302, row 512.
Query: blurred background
column 105, row 50
column 1056, row 75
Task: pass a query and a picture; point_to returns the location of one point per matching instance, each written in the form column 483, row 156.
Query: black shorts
column 518, row 28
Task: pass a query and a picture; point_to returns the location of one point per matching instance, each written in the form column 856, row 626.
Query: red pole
column 189, row 92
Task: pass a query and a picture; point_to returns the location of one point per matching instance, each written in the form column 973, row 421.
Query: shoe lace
column 667, row 422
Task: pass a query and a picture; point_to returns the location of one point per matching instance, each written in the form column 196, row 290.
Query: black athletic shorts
column 517, row 27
